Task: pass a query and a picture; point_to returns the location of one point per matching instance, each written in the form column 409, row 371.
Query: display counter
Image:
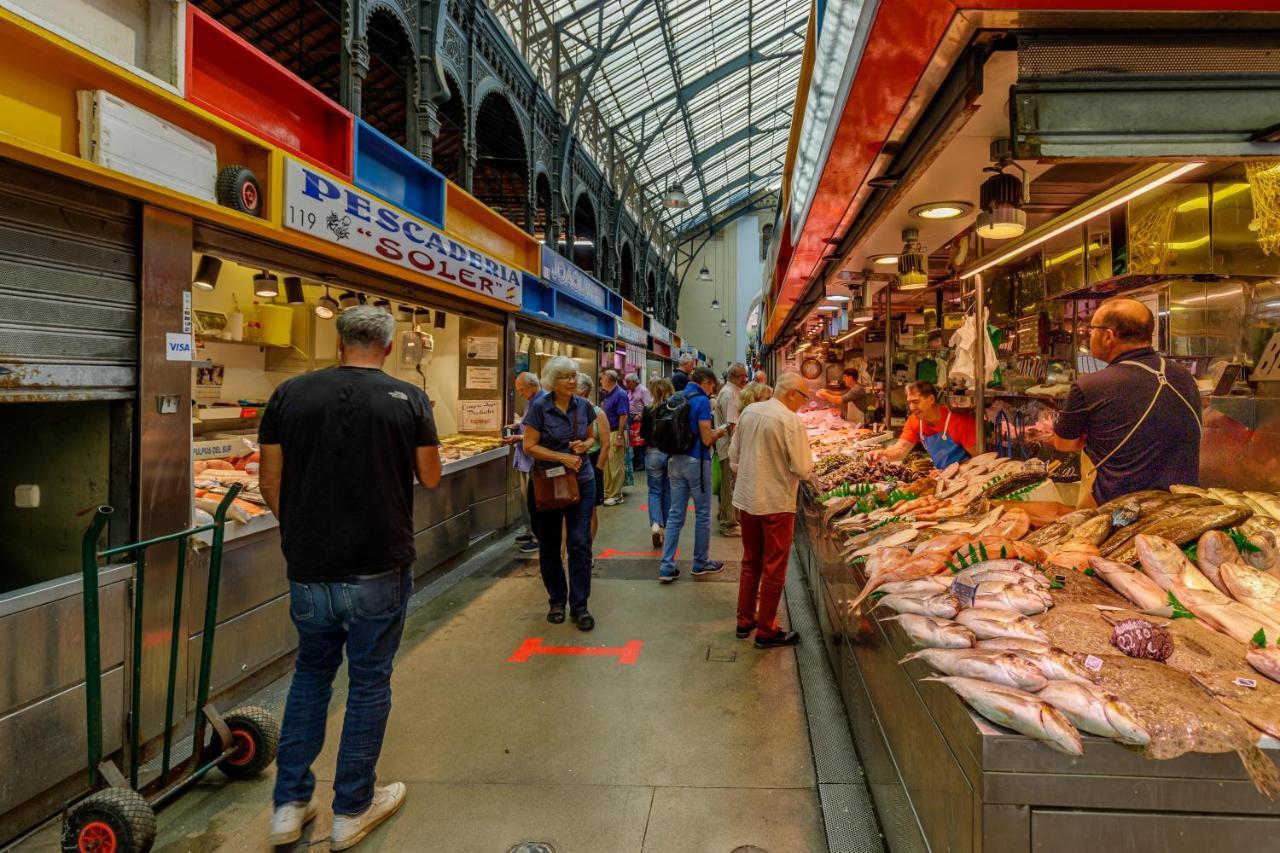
column 944, row 779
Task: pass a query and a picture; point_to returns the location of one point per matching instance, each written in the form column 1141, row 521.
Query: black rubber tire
column 238, row 189
column 118, row 813
column 259, row 733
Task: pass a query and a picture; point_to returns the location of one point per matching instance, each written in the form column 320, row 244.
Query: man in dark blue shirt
column 680, row 378
column 1137, row 420
column 690, row 475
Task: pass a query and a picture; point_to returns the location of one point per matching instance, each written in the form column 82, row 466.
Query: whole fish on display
column 1167, row 565
column 1013, row 644
column 1058, row 530
column 1018, row 710
column 1214, row 549
column 932, row 632
column 991, row 665
column 1144, row 593
column 989, row 624
column 941, row 606
column 1184, row 528
column 1251, row 587
column 1096, row 711
column 1092, row 532
column 1255, row 699
column 1054, row 664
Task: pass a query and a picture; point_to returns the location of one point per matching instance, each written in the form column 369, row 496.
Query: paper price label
column 557, row 471
column 1093, row 663
column 1245, row 682
column 966, row 593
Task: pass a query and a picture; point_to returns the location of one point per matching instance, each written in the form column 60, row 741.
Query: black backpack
column 672, row 432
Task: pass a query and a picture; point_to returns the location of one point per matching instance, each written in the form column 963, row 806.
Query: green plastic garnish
column 1191, row 553
column 878, row 594
column 1242, row 543
column 1089, row 571
column 1259, row 639
column 982, row 549
column 1057, row 584
column 1003, row 553
column 1179, row 612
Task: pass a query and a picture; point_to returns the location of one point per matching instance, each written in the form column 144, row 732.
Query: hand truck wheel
column 117, row 820
column 256, row 734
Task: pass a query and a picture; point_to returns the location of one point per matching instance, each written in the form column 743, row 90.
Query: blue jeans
column 629, row 471
column 655, row 470
column 577, row 521
column 690, row 477
column 366, row 616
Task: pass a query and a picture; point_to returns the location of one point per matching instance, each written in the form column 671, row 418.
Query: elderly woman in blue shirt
column 557, row 433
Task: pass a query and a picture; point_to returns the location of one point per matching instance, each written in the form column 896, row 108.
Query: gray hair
column 528, row 379
column 612, row 374
column 556, row 366
column 366, row 326
column 736, row 370
column 789, row 382
column 585, row 385
column 689, row 359
column 631, row 377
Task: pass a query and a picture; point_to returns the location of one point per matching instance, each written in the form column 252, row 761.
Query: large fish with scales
column 991, row 665
column 932, row 632
column 914, row 567
column 1018, row 710
column 1096, row 711
column 1185, row 528
column 1251, row 587
column 989, row 624
column 1144, row 593
column 1238, row 621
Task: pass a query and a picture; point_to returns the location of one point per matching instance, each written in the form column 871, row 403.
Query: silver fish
column 1265, row 661
column 933, row 633
column 1056, row 665
column 931, row 585
column 1214, row 549
column 997, row 667
column 988, row 624
column 1018, row 710
column 943, row 605
column 1139, row 589
column 1013, row 644
column 1238, row 621
column 1016, row 597
column 1096, row 711
column 1247, row 585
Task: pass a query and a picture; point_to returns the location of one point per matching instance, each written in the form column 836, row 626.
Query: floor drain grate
column 715, row 655
column 534, row 847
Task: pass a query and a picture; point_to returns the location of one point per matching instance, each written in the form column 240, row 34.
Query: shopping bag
column 715, row 475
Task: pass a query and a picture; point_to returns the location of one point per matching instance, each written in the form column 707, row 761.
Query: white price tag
column 557, row 471
column 1093, row 663
column 1245, row 682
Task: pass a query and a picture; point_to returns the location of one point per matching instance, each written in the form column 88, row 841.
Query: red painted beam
column 904, row 37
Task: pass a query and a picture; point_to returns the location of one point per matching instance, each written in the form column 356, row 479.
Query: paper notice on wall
column 482, row 348
column 482, row 378
column 479, row 415
column 186, row 311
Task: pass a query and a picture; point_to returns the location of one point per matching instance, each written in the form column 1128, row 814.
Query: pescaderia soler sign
column 564, row 275
column 320, row 205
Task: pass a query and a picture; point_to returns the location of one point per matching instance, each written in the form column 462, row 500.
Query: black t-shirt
column 1104, row 406
column 348, row 436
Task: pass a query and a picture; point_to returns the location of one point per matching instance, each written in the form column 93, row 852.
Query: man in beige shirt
column 770, row 451
column 727, row 404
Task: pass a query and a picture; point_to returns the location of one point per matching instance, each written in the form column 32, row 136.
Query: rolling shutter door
column 68, row 289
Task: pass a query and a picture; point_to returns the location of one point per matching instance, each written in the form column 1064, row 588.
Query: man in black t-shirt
column 340, row 449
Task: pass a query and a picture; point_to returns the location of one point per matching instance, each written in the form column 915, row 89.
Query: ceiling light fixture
column 913, row 265
column 863, row 318
column 828, row 307
column 675, row 197
column 1002, row 197
column 207, row 272
column 844, row 338
column 384, row 304
column 293, row 290
column 884, row 260
column 942, row 209
column 348, row 300
column 1081, row 216
column 838, row 297
column 326, row 306
column 728, row 332
column 266, row 285
column 704, row 274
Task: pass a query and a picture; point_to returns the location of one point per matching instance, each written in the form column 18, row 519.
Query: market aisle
column 680, row 752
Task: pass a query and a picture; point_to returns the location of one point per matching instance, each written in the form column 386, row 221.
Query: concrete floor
column 700, row 746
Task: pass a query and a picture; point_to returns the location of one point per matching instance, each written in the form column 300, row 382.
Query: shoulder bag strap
column 1162, row 382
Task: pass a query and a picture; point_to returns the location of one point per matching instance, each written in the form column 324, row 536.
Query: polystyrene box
column 118, row 135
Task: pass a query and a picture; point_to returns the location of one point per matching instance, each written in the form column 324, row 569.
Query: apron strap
column 1162, row 382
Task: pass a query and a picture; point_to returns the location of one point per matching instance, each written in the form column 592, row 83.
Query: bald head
column 1119, row 326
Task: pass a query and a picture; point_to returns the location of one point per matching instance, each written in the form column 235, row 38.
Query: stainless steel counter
column 944, row 779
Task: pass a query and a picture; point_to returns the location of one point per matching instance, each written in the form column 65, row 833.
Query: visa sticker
column 1093, row 663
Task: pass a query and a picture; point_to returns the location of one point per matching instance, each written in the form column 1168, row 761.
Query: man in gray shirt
column 727, row 406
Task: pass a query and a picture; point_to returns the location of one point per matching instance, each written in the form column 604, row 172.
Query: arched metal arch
column 490, row 86
column 372, row 6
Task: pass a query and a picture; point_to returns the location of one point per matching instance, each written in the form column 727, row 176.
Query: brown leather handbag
column 556, row 487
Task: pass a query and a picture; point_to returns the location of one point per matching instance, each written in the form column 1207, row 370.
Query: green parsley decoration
column 1259, row 639
column 1179, row 612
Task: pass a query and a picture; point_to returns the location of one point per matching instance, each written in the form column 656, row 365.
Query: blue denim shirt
column 523, row 461
column 556, row 428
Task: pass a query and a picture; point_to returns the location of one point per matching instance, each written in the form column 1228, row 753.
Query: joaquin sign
column 326, row 208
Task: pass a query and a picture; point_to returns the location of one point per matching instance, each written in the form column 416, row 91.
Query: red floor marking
column 610, row 552
column 626, row 654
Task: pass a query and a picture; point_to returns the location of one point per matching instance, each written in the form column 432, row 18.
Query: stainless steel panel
column 488, row 480
column 164, row 459
column 1185, row 794
column 243, row 645
column 46, row 645
column 43, row 744
column 451, row 497
column 253, row 572
column 488, row 515
column 1074, row 831
column 873, row 751
column 437, row 544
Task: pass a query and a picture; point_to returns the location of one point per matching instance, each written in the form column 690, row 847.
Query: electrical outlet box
column 26, row 496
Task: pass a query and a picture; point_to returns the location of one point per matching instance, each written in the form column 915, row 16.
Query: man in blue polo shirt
column 690, row 475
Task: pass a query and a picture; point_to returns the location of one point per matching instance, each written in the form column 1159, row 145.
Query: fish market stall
column 1023, row 677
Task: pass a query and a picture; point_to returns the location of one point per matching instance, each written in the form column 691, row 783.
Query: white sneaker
column 350, row 830
column 613, row 501
column 287, row 821
column 655, row 533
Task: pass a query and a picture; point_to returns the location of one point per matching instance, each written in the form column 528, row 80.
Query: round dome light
column 885, row 260
column 942, row 209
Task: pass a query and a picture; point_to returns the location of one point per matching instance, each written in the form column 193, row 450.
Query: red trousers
column 766, row 547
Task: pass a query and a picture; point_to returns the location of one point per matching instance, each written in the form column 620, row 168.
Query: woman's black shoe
column 778, row 640
column 585, row 621
column 555, row 615
column 743, row 633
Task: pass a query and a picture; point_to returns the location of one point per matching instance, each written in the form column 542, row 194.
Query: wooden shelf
column 259, row 344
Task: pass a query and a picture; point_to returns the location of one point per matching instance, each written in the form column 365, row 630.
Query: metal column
column 980, row 363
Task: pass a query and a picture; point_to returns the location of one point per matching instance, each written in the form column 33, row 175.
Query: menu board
column 479, row 415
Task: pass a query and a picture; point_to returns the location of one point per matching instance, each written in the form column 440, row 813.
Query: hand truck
column 120, row 816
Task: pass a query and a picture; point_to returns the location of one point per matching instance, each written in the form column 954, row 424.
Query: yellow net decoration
column 1264, row 187
column 1149, row 235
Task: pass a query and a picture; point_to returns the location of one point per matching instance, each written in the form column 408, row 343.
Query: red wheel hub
column 247, row 748
column 249, row 195
column 97, row 837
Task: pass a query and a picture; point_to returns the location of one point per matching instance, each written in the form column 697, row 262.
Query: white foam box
column 120, row 136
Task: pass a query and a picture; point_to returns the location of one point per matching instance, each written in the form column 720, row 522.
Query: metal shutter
column 68, row 289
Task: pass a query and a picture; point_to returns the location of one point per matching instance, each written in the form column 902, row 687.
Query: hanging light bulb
column 715, row 304
column 207, row 272
column 326, row 306
column 675, row 197
column 912, row 264
column 704, row 274
column 728, row 332
column 266, row 285
column 293, row 290
column 724, row 322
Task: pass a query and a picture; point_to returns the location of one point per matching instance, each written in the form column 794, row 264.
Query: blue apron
column 942, row 448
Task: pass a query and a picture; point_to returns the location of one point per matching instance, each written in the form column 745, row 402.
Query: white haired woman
column 557, row 435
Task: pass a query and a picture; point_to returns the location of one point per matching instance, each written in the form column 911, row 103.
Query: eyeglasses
column 565, row 377
column 1091, row 327
column 801, row 393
